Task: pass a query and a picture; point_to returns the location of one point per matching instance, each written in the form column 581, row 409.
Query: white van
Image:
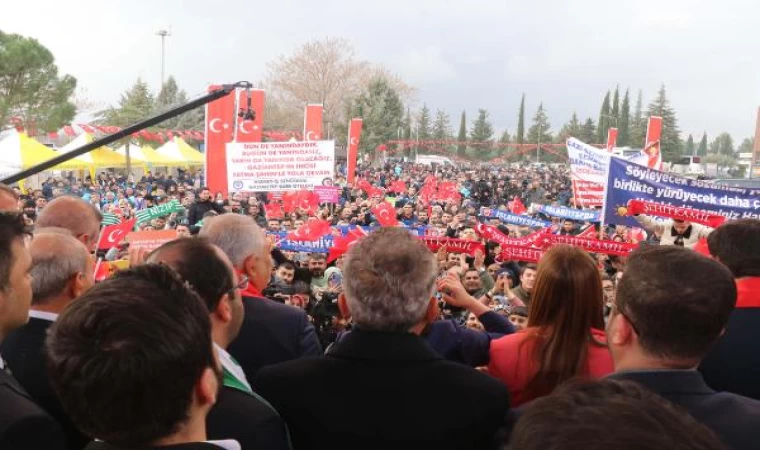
column 428, row 160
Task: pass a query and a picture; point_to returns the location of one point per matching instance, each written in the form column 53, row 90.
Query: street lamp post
column 163, row 34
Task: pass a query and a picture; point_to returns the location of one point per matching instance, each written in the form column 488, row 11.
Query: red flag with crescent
column 310, row 231
column 307, row 200
column 312, row 122
column 385, row 214
column 112, row 235
column 398, row 186
column 273, row 211
column 250, row 130
column 518, row 207
column 354, row 134
column 341, row 244
column 220, row 116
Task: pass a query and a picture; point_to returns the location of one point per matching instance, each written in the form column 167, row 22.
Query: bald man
column 75, row 215
column 62, row 271
column 8, row 199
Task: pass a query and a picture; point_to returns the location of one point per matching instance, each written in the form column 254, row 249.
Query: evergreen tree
column 482, row 130
column 588, row 131
column 670, row 141
column 540, row 130
column 406, row 127
column 505, row 137
column 441, row 127
column 171, row 96
column 604, row 119
column 702, row 149
column 462, row 138
column 638, row 125
column 723, row 145
column 746, row 146
column 615, row 112
column 382, row 113
column 135, row 104
column 690, row 147
column 624, row 136
column 573, row 128
column 423, row 124
column 520, row 135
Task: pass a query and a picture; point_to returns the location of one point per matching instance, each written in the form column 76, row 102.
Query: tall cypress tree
column 615, row 112
column 588, row 131
column 462, row 138
column 520, row 136
column 423, row 123
column 702, row 149
column 690, row 147
column 604, row 119
column 638, row 130
column 624, row 136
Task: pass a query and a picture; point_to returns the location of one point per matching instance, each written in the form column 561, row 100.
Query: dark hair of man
column 580, row 414
column 736, row 244
column 677, row 300
column 124, row 359
column 8, row 190
column 12, row 227
column 318, row 256
column 196, row 261
column 529, row 266
column 287, row 265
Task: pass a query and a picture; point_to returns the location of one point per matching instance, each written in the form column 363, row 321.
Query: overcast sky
column 460, row 55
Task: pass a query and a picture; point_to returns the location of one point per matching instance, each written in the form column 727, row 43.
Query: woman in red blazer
column 565, row 334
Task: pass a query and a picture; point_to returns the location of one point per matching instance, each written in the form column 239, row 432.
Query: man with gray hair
column 272, row 332
column 382, row 386
column 62, row 270
column 75, row 215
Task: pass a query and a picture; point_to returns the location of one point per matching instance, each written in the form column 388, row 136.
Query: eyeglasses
column 627, row 317
column 242, row 284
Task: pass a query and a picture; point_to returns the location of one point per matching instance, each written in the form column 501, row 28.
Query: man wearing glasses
column 662, row 325
column 239, row 412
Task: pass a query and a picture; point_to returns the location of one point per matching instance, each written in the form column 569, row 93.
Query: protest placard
column 279, row 166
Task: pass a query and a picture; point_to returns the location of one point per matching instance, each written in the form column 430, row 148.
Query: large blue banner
column 629, row 181
column 578, row 215
column 513, row 219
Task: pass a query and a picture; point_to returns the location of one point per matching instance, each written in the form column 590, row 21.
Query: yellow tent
column 100, row 157
column 148, row 155
column 20, row 151
column 178, row 149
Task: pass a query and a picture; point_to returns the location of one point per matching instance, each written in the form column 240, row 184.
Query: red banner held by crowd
column 354, row 134
column 453, row 245
column 491, row 233
column 674, row 212
column 524, row 253
column 590, row 245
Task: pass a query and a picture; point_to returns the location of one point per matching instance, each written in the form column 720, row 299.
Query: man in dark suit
column 239, row 413
column 662, row 324
column 151, row 373
column 62, row 270
column 382, row 386
column 733, row 364
column 271, row 332
column 23, row 424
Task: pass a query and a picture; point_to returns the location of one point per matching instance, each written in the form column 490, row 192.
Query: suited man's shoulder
column 243, row 417
column 23, row 424
column 233, row 404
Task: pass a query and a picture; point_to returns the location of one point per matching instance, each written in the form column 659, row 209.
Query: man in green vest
column 239, row 413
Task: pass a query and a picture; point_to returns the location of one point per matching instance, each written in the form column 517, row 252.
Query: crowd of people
column 227, row 338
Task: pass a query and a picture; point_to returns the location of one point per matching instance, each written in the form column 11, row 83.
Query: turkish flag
column 652, row 144
column 354, row 134
column 307, row 200
column 273, row 211
column 518, row 207
column 385, row 214
column 310, row 231
column 112, row 235
column 341, row 244
column 312, row 124
column 398, row 186
column 589, row 232
column 220, row 115
column 250, row 130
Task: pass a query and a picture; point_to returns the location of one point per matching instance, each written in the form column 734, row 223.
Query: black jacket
column 24, row 351
column 23, row 424
column 735, row 419
column 733, row 364
column 272, row 333
column 199, row 208
column 384, row 391
column 247, row 419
